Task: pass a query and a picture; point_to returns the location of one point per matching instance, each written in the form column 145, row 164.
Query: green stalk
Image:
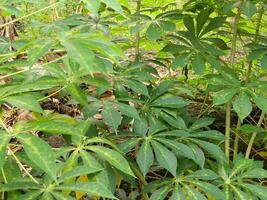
column 137, row 36
column 236, row 141
column 258, row 24
column 227, row 129
column 251, row 141
column 229, row 104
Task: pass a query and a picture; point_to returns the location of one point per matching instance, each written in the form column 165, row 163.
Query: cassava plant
column 117, row 99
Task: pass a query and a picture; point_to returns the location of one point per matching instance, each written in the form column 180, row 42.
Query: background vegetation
column 141, row 99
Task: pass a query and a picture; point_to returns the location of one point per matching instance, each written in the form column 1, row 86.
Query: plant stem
column 229, row 104
column 21, row 166
column 137, row 36
column 236, row 141
column 227, row 129
column 251, row 141
column 258, row 25
column 234, row 40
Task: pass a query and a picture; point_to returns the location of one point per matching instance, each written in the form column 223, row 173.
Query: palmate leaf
column 40, row 153
column 145, row 157
column 61, row 196
column 165, row 157
column 90, row 188
column 113, row 157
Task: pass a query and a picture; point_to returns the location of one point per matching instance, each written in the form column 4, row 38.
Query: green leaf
column 19, row 185
column 51, row 126
column 240, row 194
column 138, row 87
column 224, row 96
column 90, row 188
column 113, row 157
column 140, row 127
column 154, row 31
column 202, row 18
column 38, row 49
column 128, row 110
column 198, row 64
column 199, row 157
column 24, row 102
column 258, row 190
column 180, row 61
column 151, row 186
column 92, row 5
column 204, row 174
column 112, row 117
column 167, row 25
column 247, row 128
column 255, row 173
column 260, row 101
column 160, row 194
column 170, row 102
column 61, row 196
column 264, row 62
column 40, row 153
column 210, row 189
column 79, row 51
column 79, row 171
column 78, row 94
column 89, row 160
column 189, row 24
column 30, row 195
column 179, row 149
column 248, row 8
column 165, row 157
column 212, row 149
column 177, row 194
column 194, row 194
column 214, row 23
column 5, row 138
column 201, row 123
column 242, row 105
column 145, row 157
column 114, row 4
column 177, row 122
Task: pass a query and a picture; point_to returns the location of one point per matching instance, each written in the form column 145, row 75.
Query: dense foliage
column 110, row 99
